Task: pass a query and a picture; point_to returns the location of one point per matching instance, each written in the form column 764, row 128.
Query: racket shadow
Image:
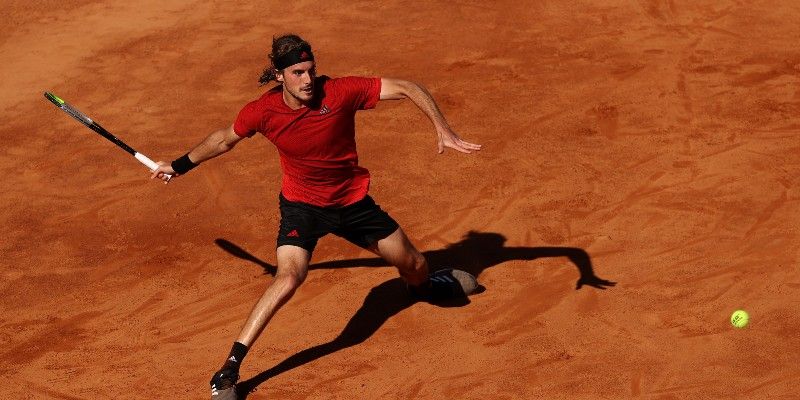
column 243, row 254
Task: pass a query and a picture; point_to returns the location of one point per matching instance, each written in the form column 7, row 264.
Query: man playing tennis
column 311, row 121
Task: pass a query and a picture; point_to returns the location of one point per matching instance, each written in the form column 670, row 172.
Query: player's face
column 298, row 80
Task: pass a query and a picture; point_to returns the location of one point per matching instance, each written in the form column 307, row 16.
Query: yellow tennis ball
column 740, row 318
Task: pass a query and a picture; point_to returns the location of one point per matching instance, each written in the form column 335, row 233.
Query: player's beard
column 303, row 96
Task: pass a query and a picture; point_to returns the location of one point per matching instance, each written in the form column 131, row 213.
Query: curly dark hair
column 280, row 46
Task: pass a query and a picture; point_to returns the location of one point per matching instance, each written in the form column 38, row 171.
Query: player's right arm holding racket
column 216, row 143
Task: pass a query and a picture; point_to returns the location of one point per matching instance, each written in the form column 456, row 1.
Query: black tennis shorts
column 362, row 223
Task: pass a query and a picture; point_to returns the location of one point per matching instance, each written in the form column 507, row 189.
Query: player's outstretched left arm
column 395, row 89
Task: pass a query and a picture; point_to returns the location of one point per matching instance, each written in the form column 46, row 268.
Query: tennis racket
column 82, row 118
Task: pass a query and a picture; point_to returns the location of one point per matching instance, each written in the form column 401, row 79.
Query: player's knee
column 291, row 280
column 415, row 270
column 420, row 260
column 419, row 263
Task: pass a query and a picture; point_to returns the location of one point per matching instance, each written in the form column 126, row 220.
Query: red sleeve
column 363, row 92
column 248, row 122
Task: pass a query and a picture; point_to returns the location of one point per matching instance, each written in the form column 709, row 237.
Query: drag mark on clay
column 413, row 390
column 723, row 150
column 456, row 386
column 642, row 161
column 636, row 384
column 715, row 16
column 684, row 93
column 52, row 394
column 197, row 329
column 90, row 212
column 641, row 192
column 721, row 31
column 60, row 335
column 148, row 304
column 549, row 116
column 713, row 383
column 767, row 155
column 499, row 188
column 453, row 223
column 767, row 213
column 756, row 78
column 358, row 370
column 623, row 72
column 780, row 379
column 658, row 9
column 685, row 206
column 209, row 308
column 724, row 290
column 683, row 246
column 607, row 119
column 695, row 332
column 731, row 269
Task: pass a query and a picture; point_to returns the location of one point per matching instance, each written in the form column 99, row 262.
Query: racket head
column 72, row 111
column 54, row 99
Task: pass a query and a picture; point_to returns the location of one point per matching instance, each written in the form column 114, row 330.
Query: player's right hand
column 164, row 172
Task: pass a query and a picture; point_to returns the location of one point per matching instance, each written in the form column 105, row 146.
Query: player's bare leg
column 292, row 271
column 397, row 250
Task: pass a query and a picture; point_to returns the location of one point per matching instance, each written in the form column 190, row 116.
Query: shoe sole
column 467, row 281
column 225, row 394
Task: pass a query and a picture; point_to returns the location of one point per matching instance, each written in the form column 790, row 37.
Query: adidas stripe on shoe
column 223, row 385
column 447, row 284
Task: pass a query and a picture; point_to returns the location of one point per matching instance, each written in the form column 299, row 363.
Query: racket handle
column 149, row 163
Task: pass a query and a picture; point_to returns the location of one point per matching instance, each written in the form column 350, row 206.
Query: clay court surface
column 660, row 137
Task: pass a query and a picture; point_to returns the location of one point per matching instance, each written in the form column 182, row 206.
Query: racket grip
column 149, row 163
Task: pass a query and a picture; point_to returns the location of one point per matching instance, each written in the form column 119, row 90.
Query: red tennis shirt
column 317, row 143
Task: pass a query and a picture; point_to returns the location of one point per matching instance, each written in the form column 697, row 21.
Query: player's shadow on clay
column 475, row 253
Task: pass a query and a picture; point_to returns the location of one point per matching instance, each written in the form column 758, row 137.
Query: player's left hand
column 448, row 138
